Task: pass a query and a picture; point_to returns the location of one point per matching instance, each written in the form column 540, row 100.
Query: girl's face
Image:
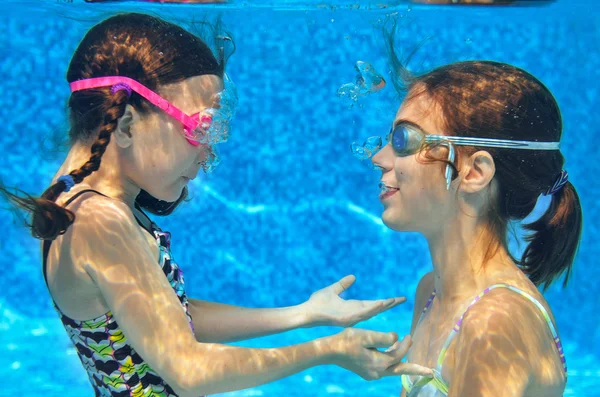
column 417, row 199
column 160, row 160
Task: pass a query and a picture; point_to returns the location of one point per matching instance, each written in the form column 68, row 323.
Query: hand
column 356, row 350
column 325, row 307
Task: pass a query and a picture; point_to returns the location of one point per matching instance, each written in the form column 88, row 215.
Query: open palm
column 326, row 307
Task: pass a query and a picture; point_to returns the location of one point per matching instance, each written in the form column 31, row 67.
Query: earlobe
column 480, row 172
column 122, row 134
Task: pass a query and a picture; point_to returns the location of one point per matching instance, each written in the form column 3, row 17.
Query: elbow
column 188, row 387
column 192, row 375
column 183, row 391
column 185, row 383
column 184, row 373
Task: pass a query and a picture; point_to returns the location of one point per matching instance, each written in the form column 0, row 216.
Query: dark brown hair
column 497, row 100
column 142, row 47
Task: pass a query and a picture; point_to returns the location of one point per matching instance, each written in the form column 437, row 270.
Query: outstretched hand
column 326, row 307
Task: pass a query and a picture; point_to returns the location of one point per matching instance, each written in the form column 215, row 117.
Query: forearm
column 220, row 323
column 213, row 369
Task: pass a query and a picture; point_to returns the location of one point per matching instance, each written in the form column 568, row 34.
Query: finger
column 392, row 302
column 396, row 301
column 408, row 369
column 393, row 347
column 385, row 303
column 399, row 349
column 343, row 284
column 373, row 308
column 381, row 339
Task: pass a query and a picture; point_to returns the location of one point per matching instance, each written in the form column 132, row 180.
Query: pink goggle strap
column 189, row 122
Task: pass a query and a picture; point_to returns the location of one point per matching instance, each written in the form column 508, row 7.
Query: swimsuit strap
column 540, row 307
column 153, row 226
column 412, row 389
column 47, row 243
column 437, row 377
column 437, row 381
column 427, row 306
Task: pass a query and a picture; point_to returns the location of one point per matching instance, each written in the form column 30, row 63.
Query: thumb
column 343, row 284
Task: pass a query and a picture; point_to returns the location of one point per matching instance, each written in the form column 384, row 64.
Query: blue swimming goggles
column 407, row 138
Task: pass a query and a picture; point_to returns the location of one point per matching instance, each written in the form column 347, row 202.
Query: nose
column 384, row 159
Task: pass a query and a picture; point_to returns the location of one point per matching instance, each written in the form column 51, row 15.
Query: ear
column 478, row 170
column 122, row 134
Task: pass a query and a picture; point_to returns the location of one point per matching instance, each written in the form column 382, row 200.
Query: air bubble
column 367, row 149
column 368, row 80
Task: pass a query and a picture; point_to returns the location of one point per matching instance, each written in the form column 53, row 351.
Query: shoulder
column 506, row 325
column 94, row 211
column 89, row 203
column 500, row 314
column 504, row 339
column 502, row 310
column 104, row 230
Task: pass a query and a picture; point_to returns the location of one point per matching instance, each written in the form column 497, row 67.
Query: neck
column 462, row 265
column 106, row 179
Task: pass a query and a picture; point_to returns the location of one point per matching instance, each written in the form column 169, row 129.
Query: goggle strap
column 142, row 90
column 495, row 143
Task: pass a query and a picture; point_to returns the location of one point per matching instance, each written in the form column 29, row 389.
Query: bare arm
column 120, row 261
column 217, row 322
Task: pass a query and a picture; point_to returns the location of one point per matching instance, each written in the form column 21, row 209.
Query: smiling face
column 160, row 160
column 418, row 199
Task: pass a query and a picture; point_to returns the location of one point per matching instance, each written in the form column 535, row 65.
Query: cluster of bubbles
column 368, row 81
column 367, row 149
column 220, row 118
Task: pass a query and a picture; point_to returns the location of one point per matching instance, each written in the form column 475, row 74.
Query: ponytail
column 553, row 244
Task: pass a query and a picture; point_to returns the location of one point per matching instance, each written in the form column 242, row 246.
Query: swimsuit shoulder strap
column 47, row 243
column 526, row 295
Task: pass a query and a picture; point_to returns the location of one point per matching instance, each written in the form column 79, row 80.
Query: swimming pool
column 290, row 209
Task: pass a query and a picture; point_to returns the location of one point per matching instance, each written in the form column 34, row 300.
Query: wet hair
column 497, row 100
column 142, row 47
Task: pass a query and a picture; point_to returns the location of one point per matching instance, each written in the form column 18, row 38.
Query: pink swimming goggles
column 208, row 127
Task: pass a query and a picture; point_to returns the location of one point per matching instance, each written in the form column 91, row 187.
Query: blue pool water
column 289, row 209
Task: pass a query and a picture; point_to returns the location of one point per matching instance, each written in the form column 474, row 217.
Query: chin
column 394, row 222
column 173, row 195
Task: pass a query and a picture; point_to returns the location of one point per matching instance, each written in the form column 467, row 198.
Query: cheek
column 408, row 171
column 420, row 183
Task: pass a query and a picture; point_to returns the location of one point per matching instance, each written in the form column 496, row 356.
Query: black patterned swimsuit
column 115, row 369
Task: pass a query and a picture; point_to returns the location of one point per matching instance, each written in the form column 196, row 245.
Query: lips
column 385, row 188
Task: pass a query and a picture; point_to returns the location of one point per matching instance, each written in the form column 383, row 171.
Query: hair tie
column 561, row 181
column 68, row 181
column 119, row 87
